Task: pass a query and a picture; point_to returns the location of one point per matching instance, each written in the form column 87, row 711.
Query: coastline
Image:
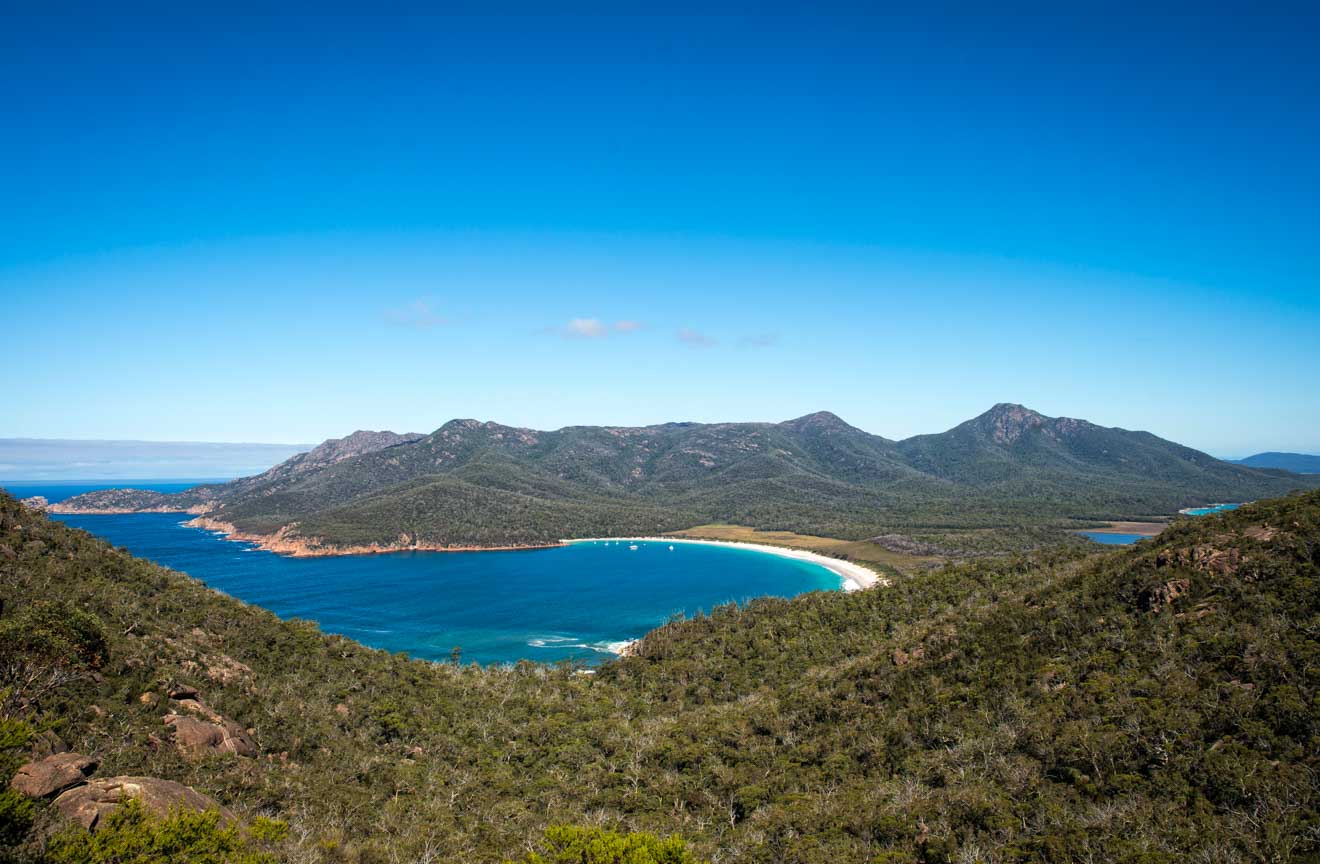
column 286, row 542
column 65, row 510
column 855, row 577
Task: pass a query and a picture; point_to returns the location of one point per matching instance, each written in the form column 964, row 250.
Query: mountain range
column 1298, row 463
column 473, row 484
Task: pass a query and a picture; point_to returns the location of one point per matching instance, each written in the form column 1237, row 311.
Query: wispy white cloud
column 594, row 328
column 759, row 340
column 694, row 338
column 417, row 314
column 586, row 328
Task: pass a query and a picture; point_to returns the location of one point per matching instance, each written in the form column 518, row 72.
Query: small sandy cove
column 855, row 576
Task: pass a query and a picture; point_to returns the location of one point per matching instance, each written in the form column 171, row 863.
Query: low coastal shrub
column 131, row 835
column 569, row 844
column 1141, row 704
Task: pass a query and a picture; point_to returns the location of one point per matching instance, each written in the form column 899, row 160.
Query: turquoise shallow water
column 544, row 605
column 1206, row 511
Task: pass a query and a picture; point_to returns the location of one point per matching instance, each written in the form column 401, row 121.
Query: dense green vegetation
column 1150, row 704
column 482, row 484
column 130, row 835
column 569, row 844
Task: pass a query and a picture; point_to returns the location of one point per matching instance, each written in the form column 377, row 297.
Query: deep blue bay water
column 499, row 607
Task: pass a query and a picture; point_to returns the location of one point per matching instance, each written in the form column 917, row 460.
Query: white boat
column 633, row 547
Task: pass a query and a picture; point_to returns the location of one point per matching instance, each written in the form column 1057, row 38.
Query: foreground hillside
column 472, row 484
column 1156, row 703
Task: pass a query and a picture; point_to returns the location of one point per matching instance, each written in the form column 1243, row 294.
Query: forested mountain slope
column 1151, row 704
column 482, row 484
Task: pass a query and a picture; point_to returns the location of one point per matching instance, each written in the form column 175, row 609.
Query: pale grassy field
column 1145, row 529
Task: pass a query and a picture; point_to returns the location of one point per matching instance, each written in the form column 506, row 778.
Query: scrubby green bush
column 16, row 812
column 54, row 632
column 131, row 835
column 570, row 844
column 1148, row 704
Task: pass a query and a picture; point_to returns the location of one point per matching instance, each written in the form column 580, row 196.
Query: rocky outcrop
column 196, row 737
column 1206, row 557
column 183, row 691
column 1007, row 423
column 52, row 775
column 1156, row 598
column 201, row 731
column 906, row 545
column 36, row 502
column 88, row 805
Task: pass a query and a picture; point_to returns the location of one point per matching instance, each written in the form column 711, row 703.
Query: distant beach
column 855, row 576
column 1141, row 529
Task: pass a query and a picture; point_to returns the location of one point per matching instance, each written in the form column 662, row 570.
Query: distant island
column 1298, row 463
column 1009, row 478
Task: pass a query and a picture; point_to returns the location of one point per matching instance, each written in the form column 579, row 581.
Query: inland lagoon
column 1110, row 539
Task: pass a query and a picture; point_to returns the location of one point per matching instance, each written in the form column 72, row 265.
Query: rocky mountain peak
column 1007, row 422
column 821, row 420
column 360, row 442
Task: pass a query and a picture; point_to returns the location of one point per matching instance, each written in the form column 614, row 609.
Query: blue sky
column 251, row 227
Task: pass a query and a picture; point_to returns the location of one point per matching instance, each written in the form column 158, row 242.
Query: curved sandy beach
column 855, row 576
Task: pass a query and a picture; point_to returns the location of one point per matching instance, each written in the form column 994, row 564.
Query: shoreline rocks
column 286, row 541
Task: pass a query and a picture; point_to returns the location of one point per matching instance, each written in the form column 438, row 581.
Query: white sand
column 855, row 577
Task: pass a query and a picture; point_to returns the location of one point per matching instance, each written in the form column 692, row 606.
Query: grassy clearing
column 1145, row 529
